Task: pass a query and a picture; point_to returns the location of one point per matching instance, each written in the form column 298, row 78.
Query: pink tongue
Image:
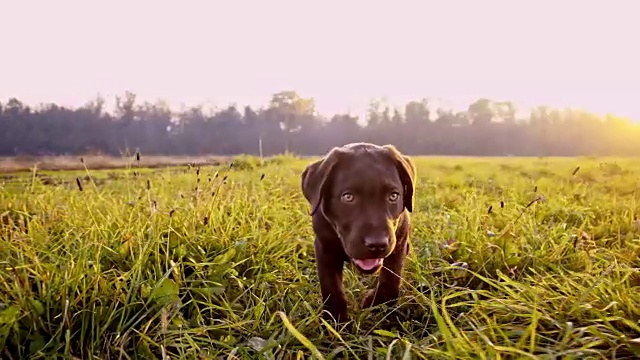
column 367, row 264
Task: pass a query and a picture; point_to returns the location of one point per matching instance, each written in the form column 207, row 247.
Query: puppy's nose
column 377, row 243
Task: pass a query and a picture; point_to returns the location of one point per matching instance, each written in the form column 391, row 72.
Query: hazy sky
column 342, row 53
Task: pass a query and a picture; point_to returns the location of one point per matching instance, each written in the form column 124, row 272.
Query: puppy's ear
column 407, row 171
column 316, row 176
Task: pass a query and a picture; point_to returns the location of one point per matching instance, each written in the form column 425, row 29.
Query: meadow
column 527, row 258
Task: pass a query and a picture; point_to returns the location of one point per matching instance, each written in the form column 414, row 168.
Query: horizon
column 340, row 53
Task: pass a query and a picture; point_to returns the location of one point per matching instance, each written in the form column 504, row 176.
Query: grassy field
column 58, row 163
column 512, row 259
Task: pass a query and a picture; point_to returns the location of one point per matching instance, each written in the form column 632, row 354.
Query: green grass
column 177, row 263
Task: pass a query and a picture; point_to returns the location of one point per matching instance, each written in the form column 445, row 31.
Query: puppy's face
column 364, row 203
column 363, row 196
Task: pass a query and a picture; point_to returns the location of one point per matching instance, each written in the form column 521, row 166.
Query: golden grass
column 98, row 162
column 511, row 258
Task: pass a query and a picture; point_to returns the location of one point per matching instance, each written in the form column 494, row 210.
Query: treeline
column 290, row 123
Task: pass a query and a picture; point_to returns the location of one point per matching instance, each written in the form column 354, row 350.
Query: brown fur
column 361, row 195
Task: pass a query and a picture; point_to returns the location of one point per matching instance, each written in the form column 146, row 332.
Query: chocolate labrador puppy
column 361, row 195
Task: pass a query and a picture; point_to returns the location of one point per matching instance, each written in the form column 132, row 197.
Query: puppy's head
column 362, row 189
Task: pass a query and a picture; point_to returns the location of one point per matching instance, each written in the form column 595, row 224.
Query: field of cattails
column 512, row 258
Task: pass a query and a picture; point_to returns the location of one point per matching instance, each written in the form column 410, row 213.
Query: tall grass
column 511, row 258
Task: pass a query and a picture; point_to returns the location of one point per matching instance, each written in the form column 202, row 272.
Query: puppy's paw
column 332, row 317
column 369, row 299
column 375, row 297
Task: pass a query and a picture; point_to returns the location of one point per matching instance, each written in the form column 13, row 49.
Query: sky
column 564, row 53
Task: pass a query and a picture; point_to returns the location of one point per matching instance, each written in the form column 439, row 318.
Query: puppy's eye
column 347, row 197
column 393, row 197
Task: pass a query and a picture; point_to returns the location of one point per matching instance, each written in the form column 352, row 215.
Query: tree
column 293, row 111
column 417, row 113
column 289, row 121
column 481, row 112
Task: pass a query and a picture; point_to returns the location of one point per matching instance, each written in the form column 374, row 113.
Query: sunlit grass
column 511, row 258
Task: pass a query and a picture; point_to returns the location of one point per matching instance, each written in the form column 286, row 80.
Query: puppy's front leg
column 330, row 269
